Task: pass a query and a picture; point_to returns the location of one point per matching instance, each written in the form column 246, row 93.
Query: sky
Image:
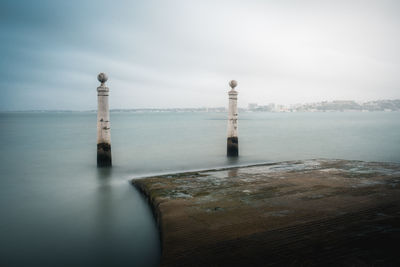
column 181, row 53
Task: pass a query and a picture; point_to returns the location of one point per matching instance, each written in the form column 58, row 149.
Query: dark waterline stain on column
column 103, row 155
column 233, row 147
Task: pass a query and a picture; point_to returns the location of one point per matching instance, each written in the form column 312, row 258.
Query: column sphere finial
column 233, row 84
column 102, row 77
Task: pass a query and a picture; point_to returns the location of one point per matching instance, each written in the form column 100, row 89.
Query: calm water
column 58, row 209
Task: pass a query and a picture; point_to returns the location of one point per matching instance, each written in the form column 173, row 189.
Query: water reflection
column 104, row 200
column 104, row 174
column 104, row 216
column 232, row 160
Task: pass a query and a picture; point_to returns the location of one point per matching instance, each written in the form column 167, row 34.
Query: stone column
column 103, row 124
column 233, row 142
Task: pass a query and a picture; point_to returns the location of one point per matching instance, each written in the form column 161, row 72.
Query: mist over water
column 59, row 209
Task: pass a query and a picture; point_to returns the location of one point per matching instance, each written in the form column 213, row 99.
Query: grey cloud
column 182, row 53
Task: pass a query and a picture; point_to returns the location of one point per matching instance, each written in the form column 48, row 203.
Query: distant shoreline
column 192, row 111
column 323, row 106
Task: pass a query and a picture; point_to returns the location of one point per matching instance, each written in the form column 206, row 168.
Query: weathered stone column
column 103, row 124
column 233, row 142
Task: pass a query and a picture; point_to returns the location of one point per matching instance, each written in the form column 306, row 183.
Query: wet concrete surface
column 299, row 213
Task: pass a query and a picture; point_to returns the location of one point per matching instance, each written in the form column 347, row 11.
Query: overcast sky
column 183, row 53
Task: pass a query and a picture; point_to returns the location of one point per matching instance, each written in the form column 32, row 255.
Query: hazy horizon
column 199, row 107
column 179, row 54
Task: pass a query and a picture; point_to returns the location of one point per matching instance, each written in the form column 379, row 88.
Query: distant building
column 253, row 106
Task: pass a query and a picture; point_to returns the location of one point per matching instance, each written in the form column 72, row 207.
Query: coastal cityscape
column 336, row 105
column 323, row 106
column 386, row 105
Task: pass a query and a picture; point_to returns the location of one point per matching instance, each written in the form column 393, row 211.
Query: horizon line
column 187, row 108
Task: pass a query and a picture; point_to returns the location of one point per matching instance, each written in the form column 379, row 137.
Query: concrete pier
column 233, row 141
column 103, row 124
column 298, row 213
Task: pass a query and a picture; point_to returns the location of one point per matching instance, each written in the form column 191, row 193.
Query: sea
column 58, row 209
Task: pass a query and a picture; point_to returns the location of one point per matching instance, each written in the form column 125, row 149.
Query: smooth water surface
column 58, row 209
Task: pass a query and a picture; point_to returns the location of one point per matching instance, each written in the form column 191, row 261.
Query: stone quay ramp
column 300, row 213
